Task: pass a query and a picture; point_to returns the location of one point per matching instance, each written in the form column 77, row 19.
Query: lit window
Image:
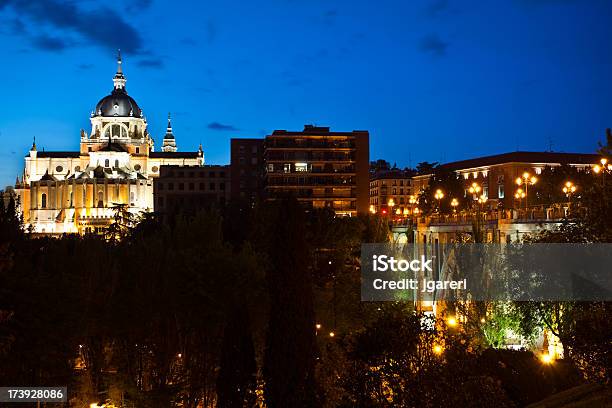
column 466, row 175
column 538, row 170
column 500, row 191
column 475, row 174
column 301, row 167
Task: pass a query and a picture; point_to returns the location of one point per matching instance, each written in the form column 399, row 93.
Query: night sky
column 431, row 80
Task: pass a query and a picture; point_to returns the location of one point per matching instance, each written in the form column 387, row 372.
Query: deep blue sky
column 431, row 80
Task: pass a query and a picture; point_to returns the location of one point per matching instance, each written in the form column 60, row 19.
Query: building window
column 301, row 167
column 100, row 199
column 254, row 160
column 59, row 169
column 160, row 201
column 117, row 164
column 181, row 186
column 212, row 186
column 89, row 148
column 132, row 198
column 287, row 168
column 43, row 200
column 270, row 167
column 254, row 149
column 222, row 186
column 138, row 150
column 160, row 186
column 500, row 191
column 191, row 186
column 106, row 163
column 212, row 174
column 170, row 186
column 241, row 161
column 202, row 188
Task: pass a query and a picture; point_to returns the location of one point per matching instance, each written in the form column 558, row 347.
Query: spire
column 33, row 149
column 119, row 79
column 169, row 143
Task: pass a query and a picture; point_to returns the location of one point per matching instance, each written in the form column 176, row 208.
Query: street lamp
column 475, row 189
column 569, row 188
column 527, row 179
column 372, row 209
column 439, row 196
column 412, row 199
column 454, row 203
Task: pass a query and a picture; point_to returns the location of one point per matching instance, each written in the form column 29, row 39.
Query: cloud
column 432, row 44
column 151, row 63
column 114, row 33
column 47, row 43
column 436, row 7
column 221, row 127
column 84, row 67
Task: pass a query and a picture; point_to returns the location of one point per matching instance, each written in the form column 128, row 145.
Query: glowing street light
column 439, row 195
column 526, row 180
column 437, row 349
column 454, row 203
column 569, row 188
column 475, row 189
column 546, row 358
column 372, row 209
column 451, row 321
column 412, row 199
column 406, row 212
column 332, row 334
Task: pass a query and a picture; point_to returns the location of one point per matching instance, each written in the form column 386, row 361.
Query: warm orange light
column 332, row 334
column 519, row 181
column 482, row 320
column 451, row 321
column 437, row 349
column 372, row 209
column 546, row 358
column 318, row 326
column 391, row 202
column 526, row 175
column 534, row 180
column 596, row 168
column 603, row 161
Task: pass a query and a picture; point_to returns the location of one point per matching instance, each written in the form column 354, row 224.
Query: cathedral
column 79, row 191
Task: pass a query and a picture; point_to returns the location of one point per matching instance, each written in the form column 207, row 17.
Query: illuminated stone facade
column 76, row 192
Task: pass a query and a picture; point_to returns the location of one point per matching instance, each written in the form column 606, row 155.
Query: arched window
column 131, row 198
column 116, row 163
column 100, row 199
column 43, row 200
column 71, row 200
column 106, row 163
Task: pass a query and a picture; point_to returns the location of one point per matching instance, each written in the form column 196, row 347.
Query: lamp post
column 569, row 189
column 439, row 195
column 454, row 203
column 390, row 204
column 526, row 180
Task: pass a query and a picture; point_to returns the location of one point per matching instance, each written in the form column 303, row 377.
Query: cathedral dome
column 118, row 103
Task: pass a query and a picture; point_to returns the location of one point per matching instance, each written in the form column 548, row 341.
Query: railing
column 536, row 214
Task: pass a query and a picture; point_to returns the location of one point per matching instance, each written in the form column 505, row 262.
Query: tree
column 290, row 344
